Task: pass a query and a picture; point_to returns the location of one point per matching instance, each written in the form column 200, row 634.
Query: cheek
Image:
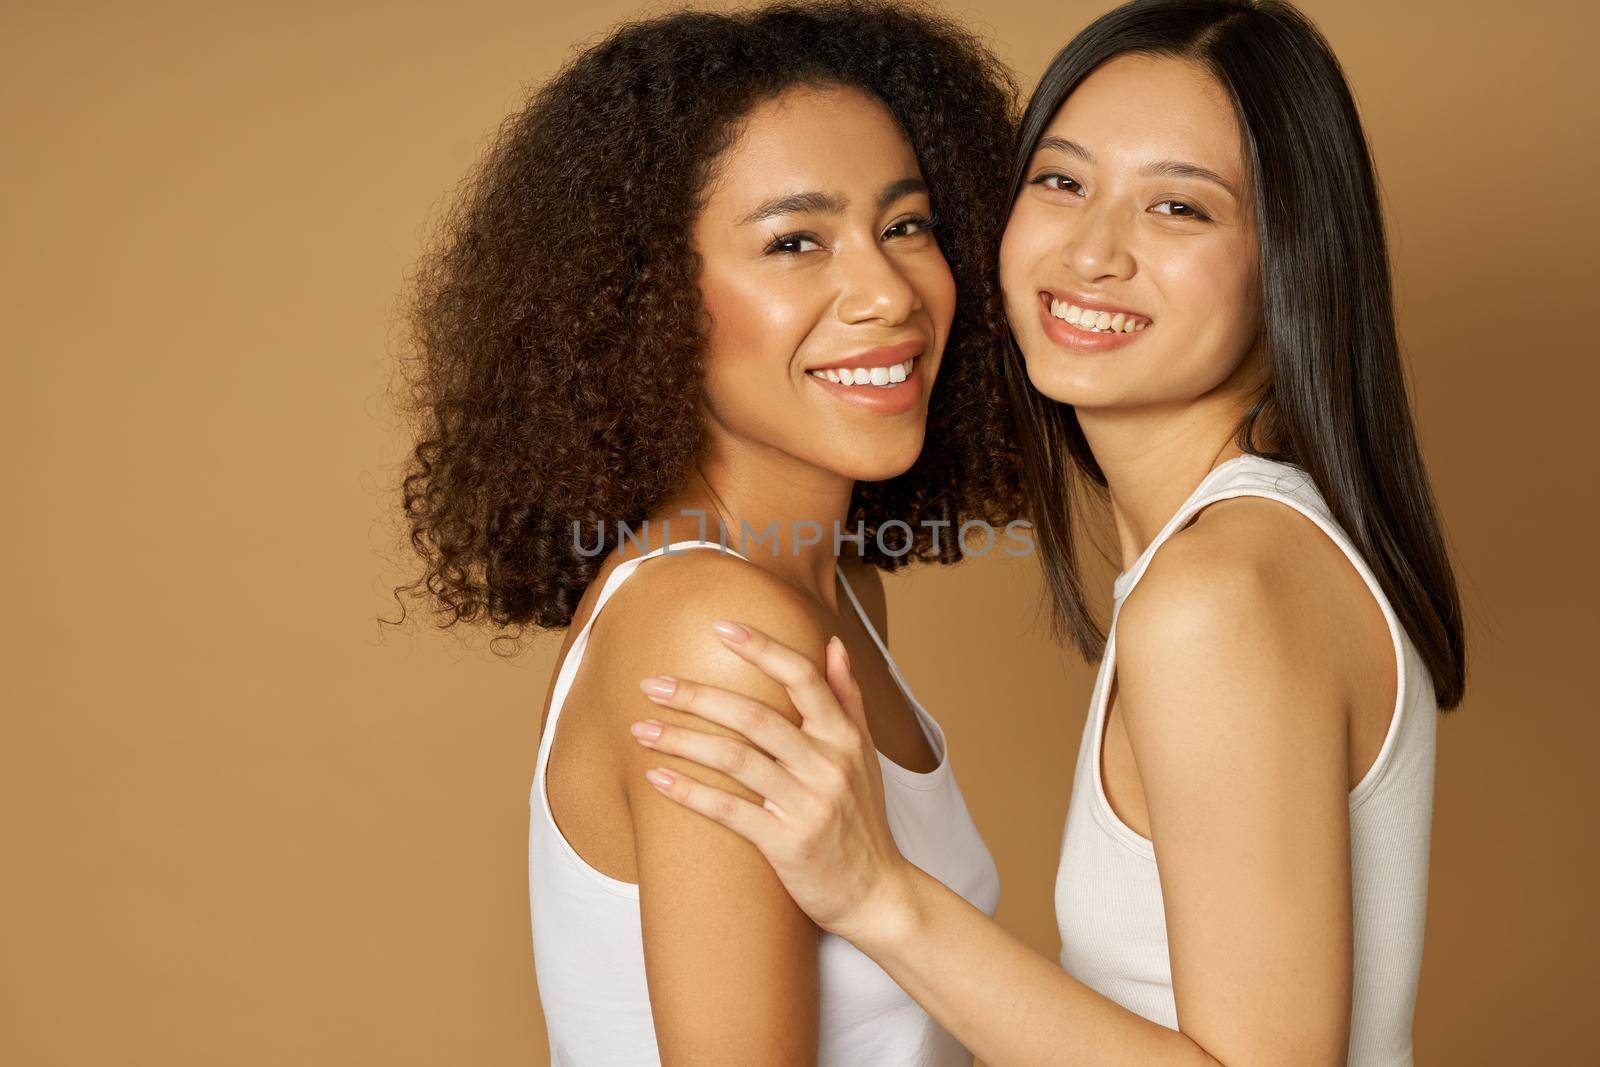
column 757, row 323
column 740, row 310
column 1214, row 292
column 937, row 288
column 1211, row 303
column 1022, row 245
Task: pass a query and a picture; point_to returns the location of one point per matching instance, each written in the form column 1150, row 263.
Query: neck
column 1152, row 459
column 1154, row 456
column 755, row 492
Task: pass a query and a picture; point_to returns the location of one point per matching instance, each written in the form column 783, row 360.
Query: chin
column 1068, row 379
column 881, row 462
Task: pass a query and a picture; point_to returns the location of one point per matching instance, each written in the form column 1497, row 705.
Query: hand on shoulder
column 731, row 960
column 660, row 622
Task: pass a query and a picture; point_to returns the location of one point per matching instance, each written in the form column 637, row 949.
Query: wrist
column 890, row 916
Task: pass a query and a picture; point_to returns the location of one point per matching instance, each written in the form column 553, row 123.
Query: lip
column 886, row 356
column 1069, row 297
column 1069, row 336
column 878, row 399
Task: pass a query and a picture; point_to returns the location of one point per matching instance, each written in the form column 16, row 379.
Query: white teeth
column 1095, row 321
column 882, row 376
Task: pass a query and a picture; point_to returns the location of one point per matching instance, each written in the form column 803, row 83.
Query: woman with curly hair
column 695, row 294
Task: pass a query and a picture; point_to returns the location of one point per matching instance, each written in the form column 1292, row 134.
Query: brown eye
column 1192, row 211
column 1045, row 179
column 919, row 224
column 784, row 246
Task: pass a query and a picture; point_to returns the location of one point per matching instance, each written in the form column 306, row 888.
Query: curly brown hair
column 556, row 322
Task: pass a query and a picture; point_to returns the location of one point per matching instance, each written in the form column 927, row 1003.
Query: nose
column 873, row 286
column 1096, row 244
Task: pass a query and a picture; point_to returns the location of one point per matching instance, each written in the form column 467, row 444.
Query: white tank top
column 1108, row 895
column 588, row 946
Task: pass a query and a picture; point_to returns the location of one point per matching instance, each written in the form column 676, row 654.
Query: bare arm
column 1237, row 721
column 731, row 961
column 1240, row 746
column 1237, row 718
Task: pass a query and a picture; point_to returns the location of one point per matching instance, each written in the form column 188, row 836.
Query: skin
column 1239, row 721
column 731, row 961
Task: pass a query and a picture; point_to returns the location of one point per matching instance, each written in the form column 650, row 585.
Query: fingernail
column 659, row 685
column 731, row 630
column 648, row 730
column 844, row 653
column 659, row 779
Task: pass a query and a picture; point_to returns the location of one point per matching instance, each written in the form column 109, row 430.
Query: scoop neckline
column 935, row 733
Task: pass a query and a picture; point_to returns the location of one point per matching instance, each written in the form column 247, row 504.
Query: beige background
column 244, row 824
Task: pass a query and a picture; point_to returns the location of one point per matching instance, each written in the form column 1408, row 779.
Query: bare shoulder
column 722, row 936
column 1249, row 560
column 1236, row 595
column 1235, row 706
column 659, row 622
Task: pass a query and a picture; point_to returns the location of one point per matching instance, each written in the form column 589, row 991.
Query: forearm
column 1000, row 998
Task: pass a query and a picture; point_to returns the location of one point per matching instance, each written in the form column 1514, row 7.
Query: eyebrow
column 1169, row 168
column 829, row 203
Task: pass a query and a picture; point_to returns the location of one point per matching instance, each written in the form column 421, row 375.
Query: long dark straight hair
column 1336, row 405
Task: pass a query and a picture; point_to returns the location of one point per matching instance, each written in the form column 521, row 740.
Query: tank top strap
column 1250, row 475
column 619, row 574
column 930, row 726
column 1246, row 475
column 861, row 613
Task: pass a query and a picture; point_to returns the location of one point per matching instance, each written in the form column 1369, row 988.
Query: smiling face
column 819, row 271
column 1134, row 217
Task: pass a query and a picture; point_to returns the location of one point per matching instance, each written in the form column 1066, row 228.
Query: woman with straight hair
column 1195, row 275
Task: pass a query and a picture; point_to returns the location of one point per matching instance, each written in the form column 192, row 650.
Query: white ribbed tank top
column 1108, row 896
column 588, row 945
